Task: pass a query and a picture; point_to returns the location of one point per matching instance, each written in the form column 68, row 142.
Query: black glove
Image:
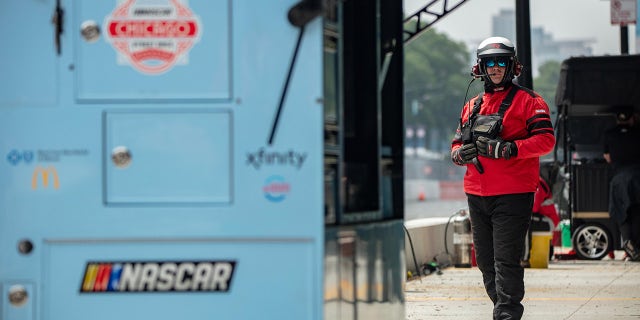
column 496, row 148
column 465, row 154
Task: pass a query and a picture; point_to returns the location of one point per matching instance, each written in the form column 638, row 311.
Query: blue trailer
column 228, row 159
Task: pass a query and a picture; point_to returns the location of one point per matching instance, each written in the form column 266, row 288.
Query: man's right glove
column 465, row 154
column 496, row 148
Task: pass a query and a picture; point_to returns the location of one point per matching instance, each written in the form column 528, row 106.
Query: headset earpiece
column 517, row 68
column 475, row 70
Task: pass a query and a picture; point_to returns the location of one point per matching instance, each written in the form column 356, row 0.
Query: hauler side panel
column 157, row 163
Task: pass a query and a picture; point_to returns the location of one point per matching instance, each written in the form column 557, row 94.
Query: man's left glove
column 465, row 154
column 496, row 148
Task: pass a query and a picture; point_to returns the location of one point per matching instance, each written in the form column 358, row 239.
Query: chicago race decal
column 152, row 36
column 154, row 276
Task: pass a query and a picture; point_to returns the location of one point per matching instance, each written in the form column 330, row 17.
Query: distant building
column 543, row 46
column 504, row 24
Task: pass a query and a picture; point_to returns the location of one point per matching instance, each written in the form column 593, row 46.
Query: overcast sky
column 564, row 19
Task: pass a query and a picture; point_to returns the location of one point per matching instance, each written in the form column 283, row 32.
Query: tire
column 592, row 241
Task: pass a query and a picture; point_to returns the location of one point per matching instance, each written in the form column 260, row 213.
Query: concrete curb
column 428, row 238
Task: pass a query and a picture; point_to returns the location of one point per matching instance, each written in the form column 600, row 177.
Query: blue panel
column 177, row 157
column 201, row 165
column 271, row 280
column 28, row 54
column 154, row 50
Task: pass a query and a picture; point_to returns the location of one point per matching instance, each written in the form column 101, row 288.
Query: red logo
column 152, row 35
column 496, row 45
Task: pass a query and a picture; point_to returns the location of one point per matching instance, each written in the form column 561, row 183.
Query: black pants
column 624, row 203
column 499, row 225
column 630, row 227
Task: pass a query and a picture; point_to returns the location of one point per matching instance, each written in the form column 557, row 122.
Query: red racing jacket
column 527, row 123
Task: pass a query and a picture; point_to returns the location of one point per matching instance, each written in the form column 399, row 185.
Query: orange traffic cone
column 421, row 196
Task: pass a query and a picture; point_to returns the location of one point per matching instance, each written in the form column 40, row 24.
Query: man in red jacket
column 502, row 134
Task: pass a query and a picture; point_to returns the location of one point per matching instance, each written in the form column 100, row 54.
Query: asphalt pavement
column 567, row 289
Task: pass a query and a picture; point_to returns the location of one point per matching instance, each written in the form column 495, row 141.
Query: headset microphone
column 480, row 75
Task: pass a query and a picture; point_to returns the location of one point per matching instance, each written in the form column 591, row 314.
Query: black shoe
column 631, row 250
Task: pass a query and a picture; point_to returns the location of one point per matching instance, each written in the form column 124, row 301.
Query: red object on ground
column 571, row 255
column 473, row 256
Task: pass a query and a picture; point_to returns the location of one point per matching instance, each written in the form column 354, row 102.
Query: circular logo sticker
column 152, row 36
column 276, row 188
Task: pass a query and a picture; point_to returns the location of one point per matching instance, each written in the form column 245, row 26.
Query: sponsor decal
column 15, row 157
column 56, row 155
column 45, row 175
column 263, row 157
column 154, row 276
column 276, row 189
column 152, row 36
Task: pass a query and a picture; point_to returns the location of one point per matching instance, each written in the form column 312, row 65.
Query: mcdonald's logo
column 48, row 173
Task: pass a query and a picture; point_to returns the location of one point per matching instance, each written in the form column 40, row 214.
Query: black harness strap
column 506, row 103
column 476, row 106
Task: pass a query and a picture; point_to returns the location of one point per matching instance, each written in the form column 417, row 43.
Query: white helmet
column 498, row 47
column 495, row 46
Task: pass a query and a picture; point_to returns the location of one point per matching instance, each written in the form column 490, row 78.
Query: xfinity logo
column 273, row 158
column 170, row 276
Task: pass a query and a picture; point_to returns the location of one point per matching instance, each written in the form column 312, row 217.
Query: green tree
column 547, row 81
column 545, row 84
column 436, row 79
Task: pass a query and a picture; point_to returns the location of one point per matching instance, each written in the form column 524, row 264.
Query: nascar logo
column 185, row 276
